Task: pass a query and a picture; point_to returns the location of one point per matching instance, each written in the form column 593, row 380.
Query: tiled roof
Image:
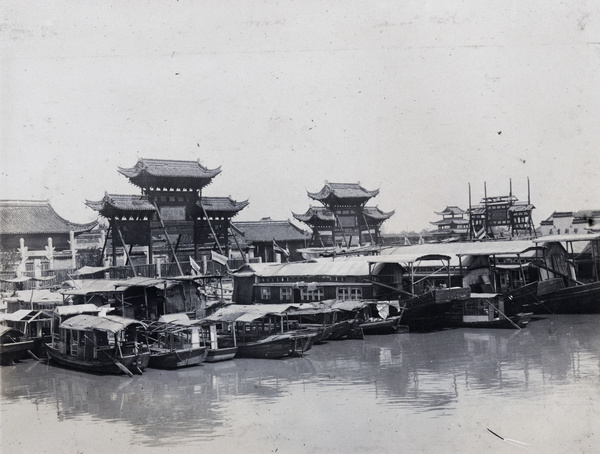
column 35, row 216
column 121, row 202
column 266, row 230
column 343, row 191
column 166, row 173
column 451, row 210
column 376, row 214
column 450, row 221
column 226, row 204
column 324, row 214
column 521, row 208
column 316, row 214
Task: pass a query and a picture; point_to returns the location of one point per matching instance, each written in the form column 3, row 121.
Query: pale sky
column 416, row 98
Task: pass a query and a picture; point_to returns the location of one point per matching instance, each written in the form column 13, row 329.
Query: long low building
column 498, row 266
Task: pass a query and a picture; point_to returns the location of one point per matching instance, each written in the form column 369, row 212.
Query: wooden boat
column 485, row 310
column 576, row 299
column 109, row 344
column 216, row 351
column 261, row 331
column 14, row 345
column 277, row 346
column 390, row 325
column 175, row 341
column 428, row 311
column 36, row 325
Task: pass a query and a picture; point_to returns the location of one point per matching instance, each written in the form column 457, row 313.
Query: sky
column 418, row 99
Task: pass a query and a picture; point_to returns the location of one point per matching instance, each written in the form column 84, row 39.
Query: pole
column 211, row 229
column 124, row 247
column 168, row 240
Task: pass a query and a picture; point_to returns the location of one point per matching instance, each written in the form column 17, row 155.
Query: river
column 461, row 390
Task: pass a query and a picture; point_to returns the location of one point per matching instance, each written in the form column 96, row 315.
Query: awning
column 90, row 270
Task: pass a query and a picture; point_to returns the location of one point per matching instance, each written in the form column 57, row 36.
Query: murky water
column 538, row 388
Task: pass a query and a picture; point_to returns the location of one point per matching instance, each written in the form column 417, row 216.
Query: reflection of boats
column 485, row 310
column 175, row 341
column 109, row 344
column 13, row 345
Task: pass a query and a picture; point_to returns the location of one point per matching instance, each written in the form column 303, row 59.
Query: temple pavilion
column 452, row 225
column 344, row 219
column 170, row 216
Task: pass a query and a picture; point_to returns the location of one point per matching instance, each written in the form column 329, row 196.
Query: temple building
column 269, row 240
column 344, row 219
column 40, row 238
column 170, row 217
column 452, row 225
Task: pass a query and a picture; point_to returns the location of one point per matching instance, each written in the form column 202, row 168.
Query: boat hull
column 276, row 346
column 173, row 359
column 390, row 325
column 220, row 354
column 579, row 299
column 135, row 363
column 13, row 352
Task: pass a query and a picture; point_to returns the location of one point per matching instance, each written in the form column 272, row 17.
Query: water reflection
column 420, row 373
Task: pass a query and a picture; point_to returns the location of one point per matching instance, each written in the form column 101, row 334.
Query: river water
column 538, row 389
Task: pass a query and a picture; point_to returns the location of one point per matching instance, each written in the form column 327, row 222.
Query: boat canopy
column 26, row 315
column 109, row 323
column 90, row 270
column 88, row 286
column 7, row 329
column 484, row 295
column 248, row 312
column 76, row 309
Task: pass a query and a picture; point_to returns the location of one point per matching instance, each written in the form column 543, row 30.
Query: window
column 265, row 293
column 285, row 293
column 312, row 295
column 349, row 293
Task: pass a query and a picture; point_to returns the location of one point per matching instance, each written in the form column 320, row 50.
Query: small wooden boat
column 390, row 325
column 261, row 331
column 217, row 350
column 109, row 344
column 485, row 310
column 277, row 346
column 175, row 341
column 35, row 324
column 13, row 345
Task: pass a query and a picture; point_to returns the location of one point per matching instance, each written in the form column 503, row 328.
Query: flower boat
column 109, row 344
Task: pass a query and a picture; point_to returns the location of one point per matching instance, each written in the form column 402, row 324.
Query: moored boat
column 390, row 325
column 109, row 344
column 175, row 341
column 14, row 345
column 485, row 310
column 277, row 346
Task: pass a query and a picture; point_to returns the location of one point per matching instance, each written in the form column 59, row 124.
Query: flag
column 216, row 257
column 195, row 267
column 281, row 251
column 421, row 240
column 480, row 234
column 406, row 241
